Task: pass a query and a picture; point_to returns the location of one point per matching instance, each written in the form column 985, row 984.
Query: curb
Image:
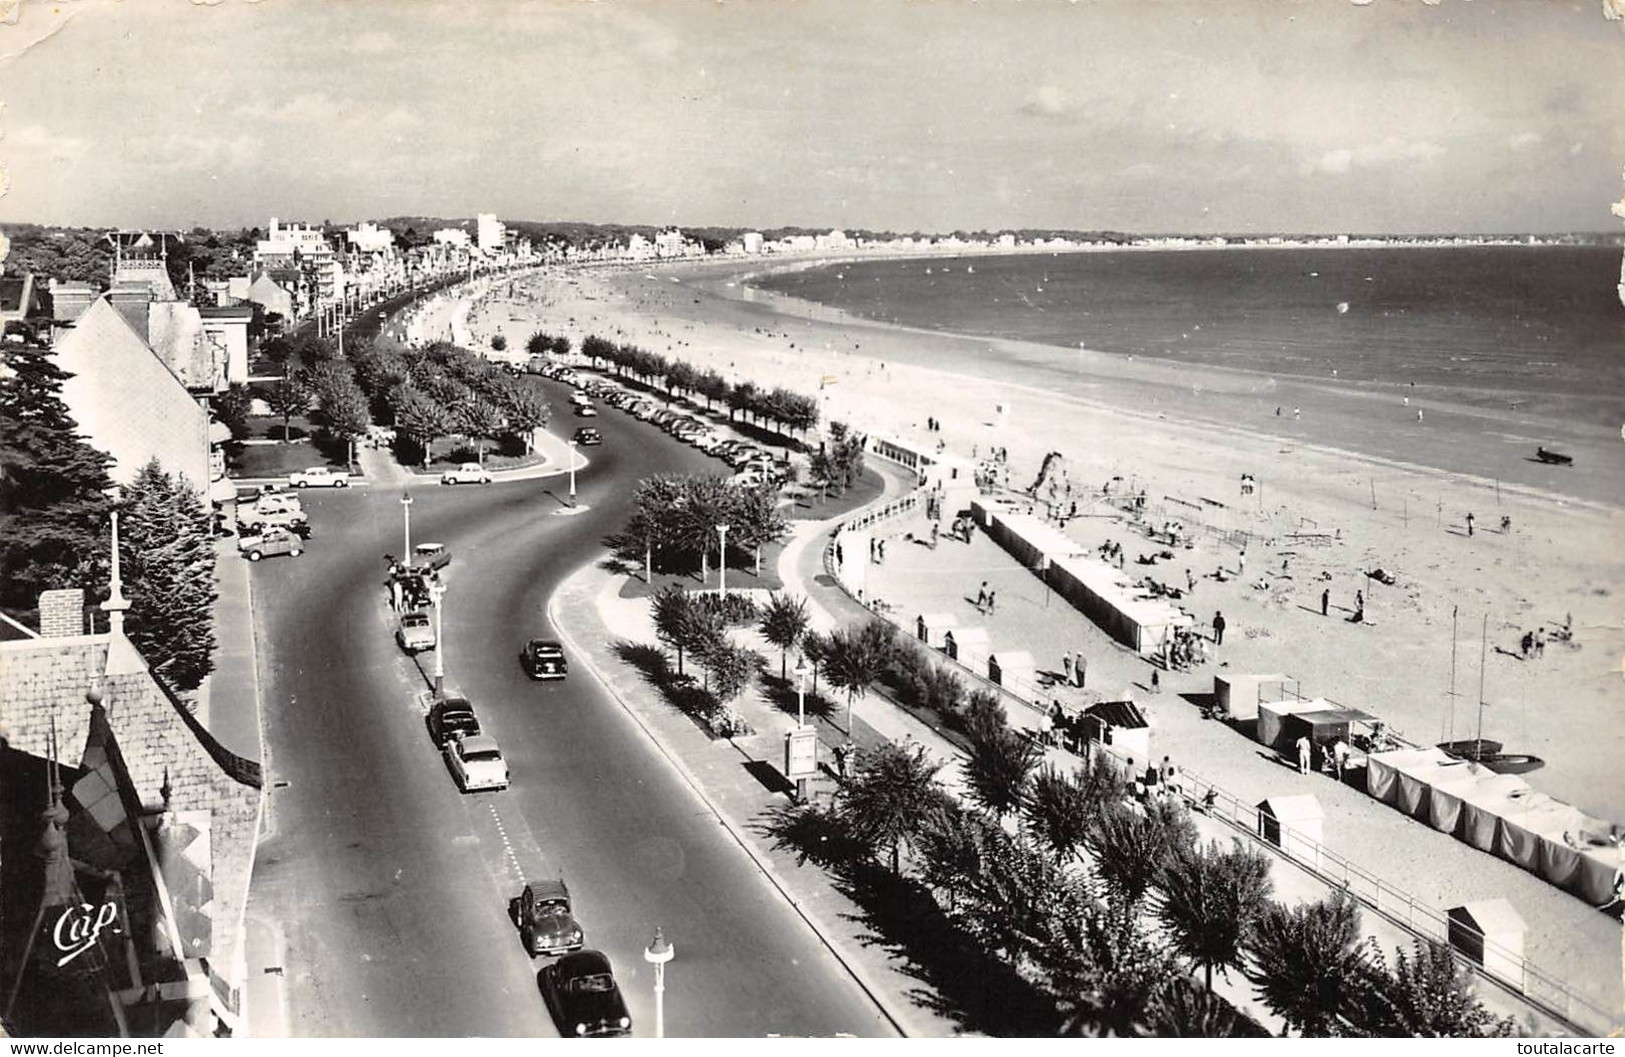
column 859, row 975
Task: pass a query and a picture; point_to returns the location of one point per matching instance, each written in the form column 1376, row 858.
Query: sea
column 1538, row 330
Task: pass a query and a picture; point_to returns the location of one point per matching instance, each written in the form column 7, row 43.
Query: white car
column 476, row 763
column 467, row 473
column 586, row 411
column 319, row 477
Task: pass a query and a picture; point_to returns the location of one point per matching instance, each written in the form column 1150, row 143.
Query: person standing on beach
column 1297, row 413
column 981, row 596
column 1066, row 666
column 1190, row 582
column 1469, row 524
column 1080, row 668
column 992, row 602
column 1325, row 601
column 1359, row 601
column 1218, row 628
column 1418, row 414
column 1303, row 754
column 1540, row 642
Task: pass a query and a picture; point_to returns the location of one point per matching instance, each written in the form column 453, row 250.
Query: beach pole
column 1373, row 493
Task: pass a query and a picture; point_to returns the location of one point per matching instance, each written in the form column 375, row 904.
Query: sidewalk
column 232, row 711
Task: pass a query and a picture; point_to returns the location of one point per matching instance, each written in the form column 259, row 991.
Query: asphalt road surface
column 392, row 889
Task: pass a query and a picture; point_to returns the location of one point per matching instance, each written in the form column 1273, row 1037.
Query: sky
column 1374, row 116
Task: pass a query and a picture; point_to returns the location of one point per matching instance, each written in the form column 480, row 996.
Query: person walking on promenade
column 1325, row 601
column 1303, row 754
column 1066, row 666
column 881, row 550
column 872, row 550
column 1469, row 524
column 1218, row 629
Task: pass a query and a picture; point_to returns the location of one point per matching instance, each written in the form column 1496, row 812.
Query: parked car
column 452, row 717
column 274, row 501
column 415, row 632
column 476, row 763
column 254, row 520
column 581, row 993
column 588, row 437
column 271, row 542
column 430, row 557
column 467, row 473
column 320, row 477
column 544, row 659
column 547, row 924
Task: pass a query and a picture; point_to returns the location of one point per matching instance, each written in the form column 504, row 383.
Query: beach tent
column 1121, row 725
column 1323, row 727
column 1012, row 669
column 1383, row 770
column 1490, row 933
column 1448, row 810
column 1485, row 804
column 931, row 627
column 1537, row 816
column 1417, row 776
column 1238, row 695
column 965, row 645
column 1272, row 720
column 1292, row 823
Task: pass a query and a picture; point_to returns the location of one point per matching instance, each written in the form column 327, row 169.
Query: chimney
column 62, row 613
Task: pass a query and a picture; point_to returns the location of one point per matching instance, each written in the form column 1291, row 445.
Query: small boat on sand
column 1553, row 457
column 1489, row 755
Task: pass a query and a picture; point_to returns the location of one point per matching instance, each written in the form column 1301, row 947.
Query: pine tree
column 168, row 566
column 53, row 485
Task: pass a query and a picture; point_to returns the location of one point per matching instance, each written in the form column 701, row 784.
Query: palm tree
column 1059, row 809
column 999, row 768
column 1181, row 1010
column 892, row 797
column 855, row 659
column 1130, row 848
column 1308, row 962
column 1210, row 899
column 815, row 647
column 784, row 621
column 1426, row 995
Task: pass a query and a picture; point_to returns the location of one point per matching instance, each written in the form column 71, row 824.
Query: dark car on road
column 450, row 717
column 588, row 437
column 581, row 993
column 546, row 922
column 544, row 659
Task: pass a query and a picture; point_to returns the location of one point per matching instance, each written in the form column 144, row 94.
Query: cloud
column 1391, row 151
column 1523, row 140
column 374, row 42
column 1046, row 101
column 39, row 143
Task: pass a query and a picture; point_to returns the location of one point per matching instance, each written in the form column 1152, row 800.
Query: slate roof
column 42, row 678
column 1124, row 714
column 175, row 333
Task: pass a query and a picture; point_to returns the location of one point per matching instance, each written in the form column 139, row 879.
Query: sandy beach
column 1142, row 421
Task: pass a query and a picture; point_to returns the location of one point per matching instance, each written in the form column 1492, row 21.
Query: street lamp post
column 406, row 514
column 722, row 561
column 657, row 954
column 572, row 468
column 801, row 716
column 437, row 591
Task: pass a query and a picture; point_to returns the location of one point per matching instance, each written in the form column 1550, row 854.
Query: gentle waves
column 1539, row 328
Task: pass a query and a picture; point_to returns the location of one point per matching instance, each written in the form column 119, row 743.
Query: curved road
column 392, row 889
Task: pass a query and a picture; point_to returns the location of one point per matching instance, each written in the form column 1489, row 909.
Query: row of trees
column 675, row 517
column 544, row 344
column 786, row 411
column 695, row 627
column 443, row 390
column 55, row 498
column 1105, row 903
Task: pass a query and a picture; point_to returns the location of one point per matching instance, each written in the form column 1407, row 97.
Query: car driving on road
column 320, row 477
column 476, row 763
column 588, row 437
column 546, row 923
column 581, row 993
column 271, row 542
column 544, row 659
column 467, row 473
column 416, row 631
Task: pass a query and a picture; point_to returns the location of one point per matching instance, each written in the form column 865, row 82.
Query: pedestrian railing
column 1507, row 969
